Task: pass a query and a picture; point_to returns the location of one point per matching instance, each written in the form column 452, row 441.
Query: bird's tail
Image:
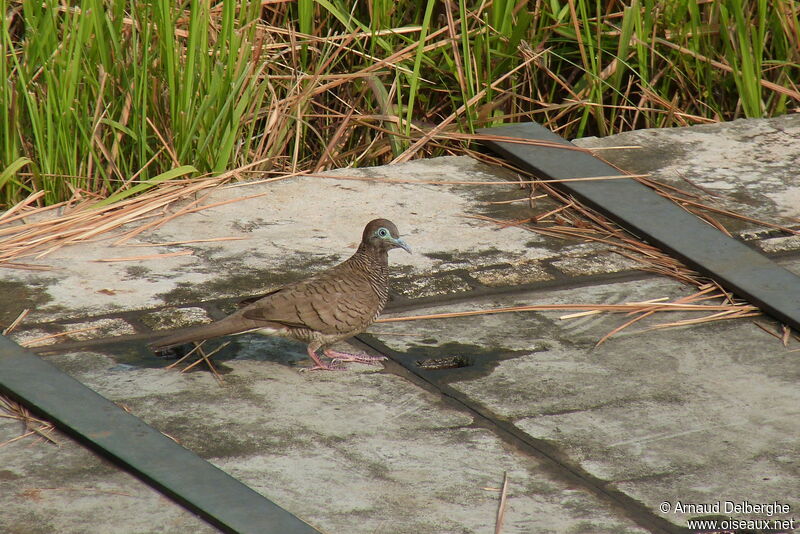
column 196, row 333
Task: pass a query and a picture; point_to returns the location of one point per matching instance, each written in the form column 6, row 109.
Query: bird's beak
column 402, row 244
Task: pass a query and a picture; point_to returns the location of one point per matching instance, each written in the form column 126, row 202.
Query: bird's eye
column 383, row 232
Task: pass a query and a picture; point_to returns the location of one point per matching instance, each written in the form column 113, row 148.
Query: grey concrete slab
column 749, row 165
column 355, row 451
column 47, row 488
column 700, row 414
column 299, row 226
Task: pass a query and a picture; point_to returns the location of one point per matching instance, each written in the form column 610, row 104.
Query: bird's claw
column 332, row 366
column 341, row 357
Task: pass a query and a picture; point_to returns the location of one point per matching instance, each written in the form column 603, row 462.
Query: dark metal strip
column 99, row 424
column 643, row 212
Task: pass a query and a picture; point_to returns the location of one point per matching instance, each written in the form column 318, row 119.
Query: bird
column 333, row 305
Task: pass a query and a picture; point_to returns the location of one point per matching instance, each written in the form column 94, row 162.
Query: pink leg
column 337, row 356
column 319, row 365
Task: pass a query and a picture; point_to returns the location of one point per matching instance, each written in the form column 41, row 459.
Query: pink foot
column 337, row 357
column 330, row 367
column 319, row 365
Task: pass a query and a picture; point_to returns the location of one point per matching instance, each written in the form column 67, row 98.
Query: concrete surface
column 591, row 439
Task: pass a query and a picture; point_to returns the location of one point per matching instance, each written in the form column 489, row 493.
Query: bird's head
column 382, row 235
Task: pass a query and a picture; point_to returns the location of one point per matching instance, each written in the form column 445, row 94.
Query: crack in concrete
column 559, row 464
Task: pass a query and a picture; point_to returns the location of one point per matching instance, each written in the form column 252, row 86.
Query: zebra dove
column 330, row 306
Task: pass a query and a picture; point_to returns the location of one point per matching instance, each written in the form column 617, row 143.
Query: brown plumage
column 330, row 306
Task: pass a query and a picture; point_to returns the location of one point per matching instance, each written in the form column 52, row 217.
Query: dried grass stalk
column 33, row 426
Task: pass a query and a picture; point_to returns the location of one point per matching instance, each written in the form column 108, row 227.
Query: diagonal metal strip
column 640, row 210
column 180, row 474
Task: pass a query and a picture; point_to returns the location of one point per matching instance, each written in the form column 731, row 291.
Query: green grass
column 102, row 95
column 111, row 98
